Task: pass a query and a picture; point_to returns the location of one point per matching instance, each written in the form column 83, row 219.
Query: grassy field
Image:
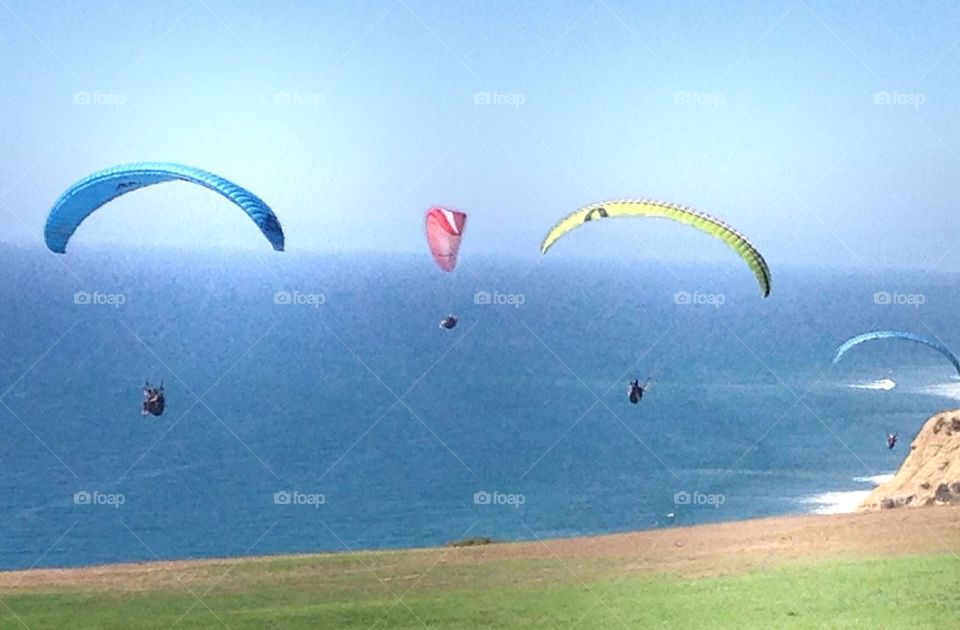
column 809, row 572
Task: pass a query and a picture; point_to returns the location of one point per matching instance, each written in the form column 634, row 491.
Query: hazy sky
column 824, row 131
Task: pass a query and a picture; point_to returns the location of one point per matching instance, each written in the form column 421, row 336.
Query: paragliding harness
column 635, row 391
column 891, row 440
column 154, row 400
column 449, row 322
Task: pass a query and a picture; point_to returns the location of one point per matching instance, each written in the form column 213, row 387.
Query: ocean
column 315, row 405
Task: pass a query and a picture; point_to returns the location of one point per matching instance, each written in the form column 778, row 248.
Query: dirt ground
column 688, row 551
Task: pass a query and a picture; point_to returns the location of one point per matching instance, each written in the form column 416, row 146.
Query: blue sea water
column 314, row 404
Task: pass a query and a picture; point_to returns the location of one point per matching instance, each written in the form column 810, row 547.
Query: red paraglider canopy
column 444, row 231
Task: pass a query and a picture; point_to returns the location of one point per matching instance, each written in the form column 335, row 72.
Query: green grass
column 343, row 592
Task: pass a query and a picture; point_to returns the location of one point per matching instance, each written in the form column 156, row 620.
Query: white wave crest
column 883, row 384
column 836, row 502
column 875, row 479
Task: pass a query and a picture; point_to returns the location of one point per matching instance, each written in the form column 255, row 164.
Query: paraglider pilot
column 154, row 400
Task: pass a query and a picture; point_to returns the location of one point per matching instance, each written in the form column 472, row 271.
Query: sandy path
column 705, row 548
column 699, row 550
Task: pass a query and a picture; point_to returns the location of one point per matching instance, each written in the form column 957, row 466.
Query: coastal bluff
column 930, row 474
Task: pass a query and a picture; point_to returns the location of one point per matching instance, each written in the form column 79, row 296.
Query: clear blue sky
column 763, row 113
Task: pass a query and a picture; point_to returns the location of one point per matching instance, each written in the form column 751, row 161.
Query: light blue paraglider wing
column 93, row 191
column 896, row 334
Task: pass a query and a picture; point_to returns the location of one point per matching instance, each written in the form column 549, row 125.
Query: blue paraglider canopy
column 84, row 197
column 896, row 334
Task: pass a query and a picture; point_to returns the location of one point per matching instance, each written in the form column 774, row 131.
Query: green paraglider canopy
column 674, row 212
